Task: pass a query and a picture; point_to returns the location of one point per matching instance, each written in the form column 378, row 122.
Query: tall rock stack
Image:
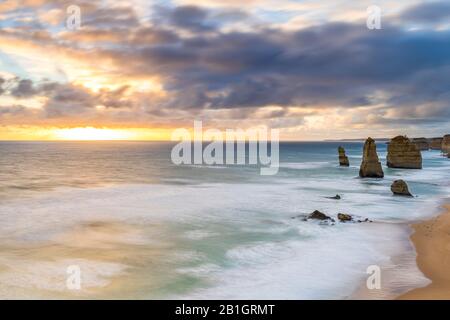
column 435, row 143
column 343, row 159
column 421, row 143
column 445, row 146
column 402, row 153
column 370, row 165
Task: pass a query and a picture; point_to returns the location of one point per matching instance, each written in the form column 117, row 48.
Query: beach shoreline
column 431, row 238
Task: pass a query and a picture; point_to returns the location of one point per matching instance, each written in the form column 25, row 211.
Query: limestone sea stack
column 399, row 187
column 421, row 143
column 445, row 146
column 435, row 143
column 343, row 159
column 402, row 153
column 370, row 165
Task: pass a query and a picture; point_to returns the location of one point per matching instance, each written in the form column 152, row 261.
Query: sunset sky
column 138, row 69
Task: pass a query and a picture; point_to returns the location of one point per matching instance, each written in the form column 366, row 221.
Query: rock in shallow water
column 402, row 153
column 400, row 187
column 317, row 215
column 344, row 217
column 343, row 159
column 370, row 165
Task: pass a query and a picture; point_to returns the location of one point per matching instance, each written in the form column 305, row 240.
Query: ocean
column 140, row 227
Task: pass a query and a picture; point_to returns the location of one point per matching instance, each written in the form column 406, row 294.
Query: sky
column 138, row 69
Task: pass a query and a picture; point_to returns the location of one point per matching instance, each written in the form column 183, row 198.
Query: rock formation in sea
column 435, row 143
column 343, row 159
column 317, row 215
column 421, row 143
column 399, row 187
column 370, row 165
column 402, row 153
column 445, row 146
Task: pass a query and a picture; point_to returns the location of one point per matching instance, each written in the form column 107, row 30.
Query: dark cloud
column 190, row 17
column 2, row 81
column 195, row 18
column 333, row 65
column 23, row 89
column 111, row 17
column 427, row 13
column 202, row 66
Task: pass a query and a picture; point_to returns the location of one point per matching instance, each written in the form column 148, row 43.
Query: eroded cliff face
column 436, row 143
column 402, row 153
column 370, row 165
column 445, row 146
column 343, row 159
column 421, row 143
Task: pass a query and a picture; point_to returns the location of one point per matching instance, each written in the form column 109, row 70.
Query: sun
column 91, row 133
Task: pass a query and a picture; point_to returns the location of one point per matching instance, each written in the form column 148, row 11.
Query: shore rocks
column 445, row 146
column 370, row 165
column 421, row 143
column 400, row 187
column 436, row 143
column 343, row 159
column 344, row 217
column 402, row 153
column 317, row 215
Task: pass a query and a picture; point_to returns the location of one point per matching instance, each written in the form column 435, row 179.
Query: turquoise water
column 140, row 227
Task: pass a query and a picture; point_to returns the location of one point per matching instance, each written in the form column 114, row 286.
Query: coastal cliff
column 435, row 143
column 445, row 146
column 402, row 153
column 421, row 143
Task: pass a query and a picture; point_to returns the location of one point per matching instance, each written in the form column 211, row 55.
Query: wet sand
column 432, row 241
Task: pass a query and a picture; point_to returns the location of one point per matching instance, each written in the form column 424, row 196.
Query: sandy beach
column 432, row 241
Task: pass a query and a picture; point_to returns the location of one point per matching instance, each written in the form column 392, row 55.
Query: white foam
column 304, row 165
column 276, row 256
column 53, row 275
column 329, row 266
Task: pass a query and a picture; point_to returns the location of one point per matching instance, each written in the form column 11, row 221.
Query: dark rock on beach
column 336, row 197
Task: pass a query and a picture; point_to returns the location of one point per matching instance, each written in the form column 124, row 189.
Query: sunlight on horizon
column 34, row 133
column 90, row 133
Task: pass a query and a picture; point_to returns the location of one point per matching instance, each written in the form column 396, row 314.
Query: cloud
column 427, row 13
column 393, row 75
column 2, row 81
column 23, row 89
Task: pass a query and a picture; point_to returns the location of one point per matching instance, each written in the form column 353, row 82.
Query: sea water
column 138, row 226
